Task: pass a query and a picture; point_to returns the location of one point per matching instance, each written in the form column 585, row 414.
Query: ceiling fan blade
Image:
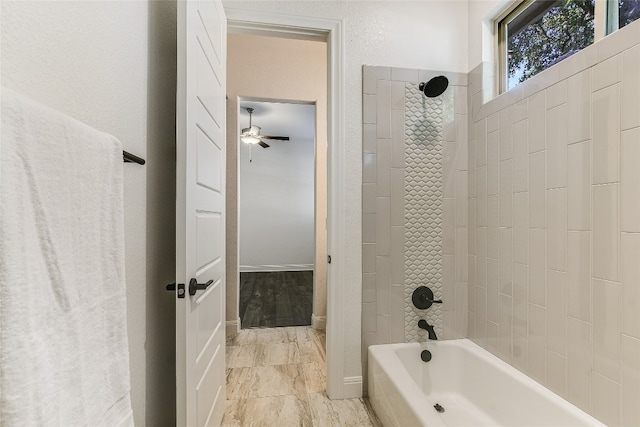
column 263, row 144
column 279, row 138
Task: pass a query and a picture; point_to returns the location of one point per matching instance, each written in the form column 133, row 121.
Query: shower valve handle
column 423, row 298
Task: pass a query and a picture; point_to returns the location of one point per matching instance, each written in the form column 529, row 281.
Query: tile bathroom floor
column 277, row 377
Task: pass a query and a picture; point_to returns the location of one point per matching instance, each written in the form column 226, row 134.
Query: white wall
column 289, row 70
column 276, row 205
column 428, row 35
column 112, row 65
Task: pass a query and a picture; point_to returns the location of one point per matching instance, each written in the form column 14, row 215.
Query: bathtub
column 471, row 386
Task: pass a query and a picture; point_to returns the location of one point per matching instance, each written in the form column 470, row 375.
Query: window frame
column 604, row 24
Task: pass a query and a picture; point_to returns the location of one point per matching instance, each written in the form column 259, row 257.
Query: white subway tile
column 368, row 258
column 537, row 120
column 575, row 63
column 397, row 95
column 462, row 143
column 368, row 228
column 606, row 232
column 630, row 381
column 369, row 138
column 520, row 110
column 481, row 316
column 579, row 186
column 556, row 94
column 383, row 109
column 557, row 312
column 383, row 167
column 630, row 112
column 630, row 180
column 606, row 135
column 520, row 156
column 506, row 193
column 557, row 147
column 397, row 138
column 481, row 142
column 631, row 284
column 369, row 317
column 520, row 298
column 383, row 334
column 537, row 266
column 481, row 257
column 460, row 99
column 396, row 317
column 461, row 309
column 369, row 168
column 492, row 290
column 579, row 107
column 369, row 81
column 481, row 196
column 472, row 226
column 405, row 75
column 397, row 255
column 579, row 275
column 505, row 261
column 492, row 222
column 397, row 197
column 383, row 226
column 449, row 169
column 462, row 254
column 521, row 228
column 606, row 398
column 448, row 282
column 383, row 284
column 492, row 163
column 471, row 167
column 536, row 343
column 556, row 379
column 607, row 72
column 557, row 227
column 505, row 326
column 369, row 287
column 537, row 190
column 493, row 344
column 461, row 199
column 541, row 81
column 520, row 352
column 369, row 197
column 369, row 109
column 448, row 226
column 493, row 122
column 504, row 134
column 606, row 328
column 380, row 73
column 579, row 363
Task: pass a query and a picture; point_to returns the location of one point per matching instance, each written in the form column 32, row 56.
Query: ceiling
column 297, row 121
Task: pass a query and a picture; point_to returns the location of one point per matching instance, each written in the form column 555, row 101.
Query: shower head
column 434, row 87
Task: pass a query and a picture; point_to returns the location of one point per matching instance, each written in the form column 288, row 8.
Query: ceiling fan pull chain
column 250, row 153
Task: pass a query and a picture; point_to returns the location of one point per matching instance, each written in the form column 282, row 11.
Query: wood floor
column 272, row 299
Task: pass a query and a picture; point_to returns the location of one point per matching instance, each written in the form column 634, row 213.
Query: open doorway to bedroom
column 277, row 213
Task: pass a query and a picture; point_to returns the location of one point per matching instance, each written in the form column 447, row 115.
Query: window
column 537, row 34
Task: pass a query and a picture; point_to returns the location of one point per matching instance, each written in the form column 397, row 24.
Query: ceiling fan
column 251, row 135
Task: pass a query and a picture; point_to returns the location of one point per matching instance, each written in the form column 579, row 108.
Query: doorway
column 331, row 32
column 277, row 213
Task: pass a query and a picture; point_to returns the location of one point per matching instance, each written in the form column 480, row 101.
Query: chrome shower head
column 434, row 87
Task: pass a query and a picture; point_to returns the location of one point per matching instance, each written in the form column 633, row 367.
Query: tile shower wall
column 414, row 205
column 554, row 236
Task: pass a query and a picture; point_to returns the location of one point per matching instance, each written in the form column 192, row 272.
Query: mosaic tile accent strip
column 423, row 207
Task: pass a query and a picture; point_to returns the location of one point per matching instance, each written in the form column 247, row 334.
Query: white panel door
column 200, row 215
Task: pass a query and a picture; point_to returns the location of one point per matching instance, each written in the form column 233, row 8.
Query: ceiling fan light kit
column 251, row 135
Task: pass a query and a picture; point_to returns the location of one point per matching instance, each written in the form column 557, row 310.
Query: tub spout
column 423, row 324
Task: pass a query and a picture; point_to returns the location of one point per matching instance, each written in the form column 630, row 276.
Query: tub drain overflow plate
column 438, row 408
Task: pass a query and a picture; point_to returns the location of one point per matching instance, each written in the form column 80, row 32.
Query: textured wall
column 91, row 60
column 554, row 249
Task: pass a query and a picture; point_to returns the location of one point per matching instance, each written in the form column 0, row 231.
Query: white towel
column 64, row 357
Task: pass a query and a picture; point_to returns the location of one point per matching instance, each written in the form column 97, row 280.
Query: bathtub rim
column 415, row 397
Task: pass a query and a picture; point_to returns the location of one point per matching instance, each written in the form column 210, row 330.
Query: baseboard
column 279, row 267
column 319, row 322
column 232, row 327
column 352, row 387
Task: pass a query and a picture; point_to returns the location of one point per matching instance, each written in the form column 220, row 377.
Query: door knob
column 195, row 286
column 172, row 287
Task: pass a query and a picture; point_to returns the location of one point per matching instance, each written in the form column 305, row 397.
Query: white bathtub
column 474, row 387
